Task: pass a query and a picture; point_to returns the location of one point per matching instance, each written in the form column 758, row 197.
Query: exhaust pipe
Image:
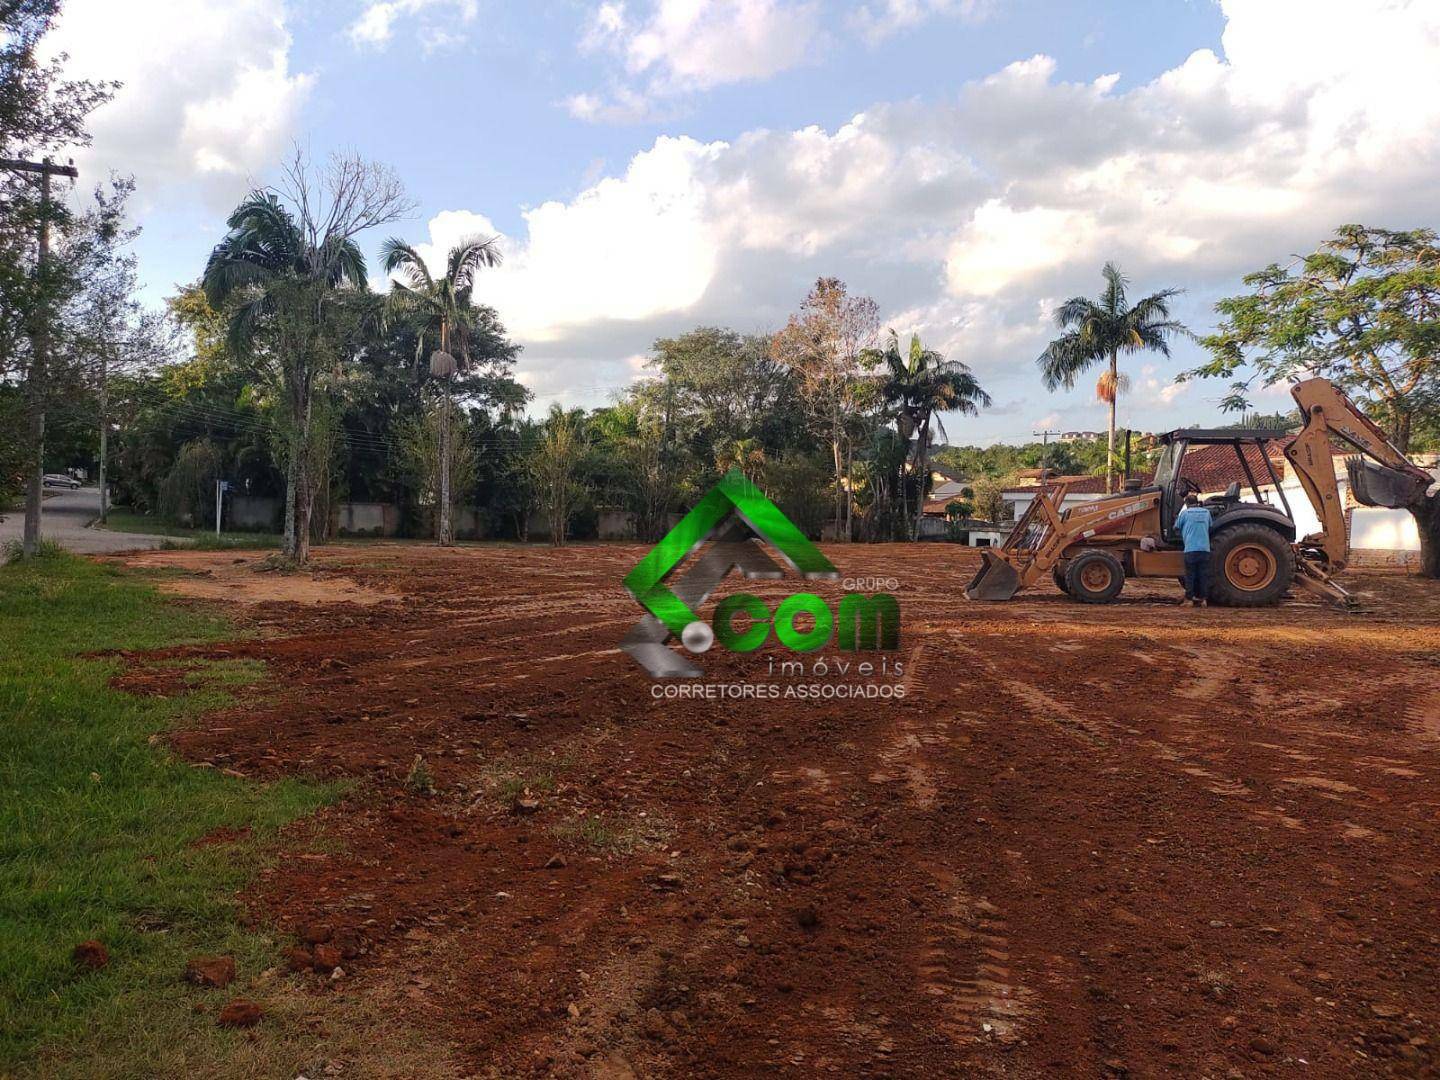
column 995, row 580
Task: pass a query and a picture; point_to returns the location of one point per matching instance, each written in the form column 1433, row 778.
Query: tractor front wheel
column 1094, row 577
column 1251, row 566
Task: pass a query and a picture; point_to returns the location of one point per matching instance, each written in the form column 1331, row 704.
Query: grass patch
column 98, row 832
column 612, row 836
column 14, row 550
column 204, row 539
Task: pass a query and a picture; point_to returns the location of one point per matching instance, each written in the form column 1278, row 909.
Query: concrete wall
column 254, row 512
column 616, row 525
column 367, row 519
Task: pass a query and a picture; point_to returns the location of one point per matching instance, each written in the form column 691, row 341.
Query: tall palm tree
column 441, row 313
column 1097, row 332
column 921, row 384
column 281, row 281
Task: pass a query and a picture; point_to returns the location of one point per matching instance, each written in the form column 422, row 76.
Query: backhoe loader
column 1091, row 548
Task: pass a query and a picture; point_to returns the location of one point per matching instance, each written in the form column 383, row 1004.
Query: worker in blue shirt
column 1193, row 525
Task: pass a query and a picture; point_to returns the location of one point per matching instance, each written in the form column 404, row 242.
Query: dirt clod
column 240, row 1013
column 298, row 959
column 214, row 971
column 90, row 955
column 327, row 958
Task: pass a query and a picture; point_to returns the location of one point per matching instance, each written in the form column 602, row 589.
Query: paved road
column 65, row 520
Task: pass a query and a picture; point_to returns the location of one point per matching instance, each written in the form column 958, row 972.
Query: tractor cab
column 1187, row 466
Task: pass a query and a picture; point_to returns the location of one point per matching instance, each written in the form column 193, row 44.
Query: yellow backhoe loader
column 1091, row 548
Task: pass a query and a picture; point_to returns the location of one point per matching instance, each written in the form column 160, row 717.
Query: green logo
column 735, row 518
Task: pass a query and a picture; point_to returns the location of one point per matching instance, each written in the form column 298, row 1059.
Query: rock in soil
column 327, row 958
column 217, row 971
column 240, row 1013
column 91, row 955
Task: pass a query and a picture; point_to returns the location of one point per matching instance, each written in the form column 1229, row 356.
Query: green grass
column 123, row 520
column 98, row 827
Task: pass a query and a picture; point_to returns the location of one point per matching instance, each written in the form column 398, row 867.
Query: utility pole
column 104, row 433
column 36, row 381
column 1044, row 452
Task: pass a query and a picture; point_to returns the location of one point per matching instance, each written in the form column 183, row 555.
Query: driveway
column 66, row 518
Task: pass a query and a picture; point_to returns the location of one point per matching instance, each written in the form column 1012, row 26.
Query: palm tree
column 440, row 311
column 1099, row 331
column 747, row 455
column 283, row 282
column 920, row 385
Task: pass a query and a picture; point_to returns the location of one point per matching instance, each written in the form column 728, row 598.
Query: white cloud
column 376, row 24
column 627, row 249
column 968, row 219
column 208, row 98
column 885, row 18
column 680, row 46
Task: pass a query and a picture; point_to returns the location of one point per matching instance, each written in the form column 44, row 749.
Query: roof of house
column 1075, row 485
column 1214, row 468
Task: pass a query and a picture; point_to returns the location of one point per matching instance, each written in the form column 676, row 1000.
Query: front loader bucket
column 995, row 580
column 1375, row 485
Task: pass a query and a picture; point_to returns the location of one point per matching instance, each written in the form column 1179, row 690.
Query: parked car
column 60, row 480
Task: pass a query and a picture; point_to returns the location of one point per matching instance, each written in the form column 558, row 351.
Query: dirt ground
column 1131, row 840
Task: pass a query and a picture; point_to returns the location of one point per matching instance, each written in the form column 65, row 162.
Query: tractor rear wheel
column 1251, row 566
column 1094, row 577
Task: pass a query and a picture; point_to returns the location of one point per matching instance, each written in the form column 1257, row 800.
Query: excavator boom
column 1386, row 479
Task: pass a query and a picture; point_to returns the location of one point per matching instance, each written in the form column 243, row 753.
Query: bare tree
column 822, row 344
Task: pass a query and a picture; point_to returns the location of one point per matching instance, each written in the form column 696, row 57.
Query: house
column 946, row 485
column 1080, row 436
column 1079, row 490
column 971, row 532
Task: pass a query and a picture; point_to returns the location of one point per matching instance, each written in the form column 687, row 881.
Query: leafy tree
column 796, row 482
column 439, row 465
column 290, row 273
column 1097, row 332
column 921, row 384
column 721, row 387
column 988, row 499
column 555, row 469
column 41, row 114
column 643, row 465
column 441, row 312
column 1363, row 311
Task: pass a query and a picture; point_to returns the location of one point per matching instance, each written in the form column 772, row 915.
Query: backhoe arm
column 1328, row 411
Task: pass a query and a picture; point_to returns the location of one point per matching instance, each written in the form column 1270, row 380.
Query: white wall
column 1372, row 528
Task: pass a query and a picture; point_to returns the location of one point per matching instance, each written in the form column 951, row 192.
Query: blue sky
column 656, row 164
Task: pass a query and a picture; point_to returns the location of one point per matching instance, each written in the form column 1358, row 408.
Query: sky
column 654, row 165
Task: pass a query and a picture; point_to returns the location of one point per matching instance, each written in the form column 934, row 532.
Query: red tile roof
column 1077, row 485
column 1214, row 468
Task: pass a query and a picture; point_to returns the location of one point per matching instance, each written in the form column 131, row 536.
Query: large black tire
column 1250, row 566
column 1094, row 577
column 1057, row 575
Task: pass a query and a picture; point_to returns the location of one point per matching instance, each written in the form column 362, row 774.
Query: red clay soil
column 1130, row 840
